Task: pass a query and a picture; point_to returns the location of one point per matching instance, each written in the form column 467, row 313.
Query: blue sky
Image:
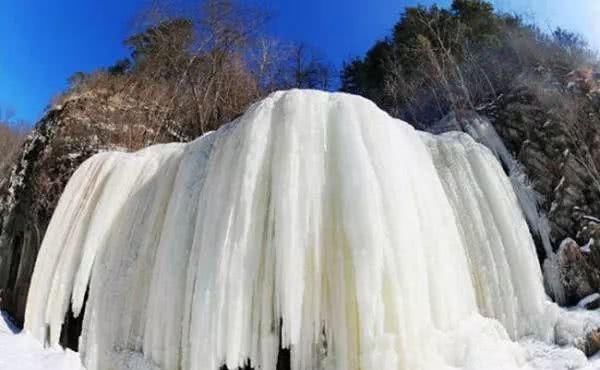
column 42, row 43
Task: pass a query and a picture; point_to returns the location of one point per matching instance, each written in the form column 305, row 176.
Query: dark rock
column 574, row 271
column 537, row 138
column 65, row 137
column 591, row 345
column 560, row 171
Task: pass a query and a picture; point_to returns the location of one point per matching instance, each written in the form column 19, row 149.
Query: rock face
column 560, row 161
column 591, row 344
column 66, row 136
column 541, row 142
column 22, row 227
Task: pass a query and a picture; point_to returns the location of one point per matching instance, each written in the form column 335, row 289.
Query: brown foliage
column 189, row 75
column 11, row 137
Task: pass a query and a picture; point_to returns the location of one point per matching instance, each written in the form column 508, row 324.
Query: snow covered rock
column 314, row 222
column 591, row 302
column 571, row 273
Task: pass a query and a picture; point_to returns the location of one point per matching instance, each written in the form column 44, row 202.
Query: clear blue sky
column 42, row 43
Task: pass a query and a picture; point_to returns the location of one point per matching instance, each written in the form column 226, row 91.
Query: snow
column 560, row 184
column 587, row 248
column 316, row 221
column 542, row 356
column 587, row 300
column 591, row 218
column 23, row 352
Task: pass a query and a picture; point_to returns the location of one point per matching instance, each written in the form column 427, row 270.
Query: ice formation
column 315, row 222
column 482, row 130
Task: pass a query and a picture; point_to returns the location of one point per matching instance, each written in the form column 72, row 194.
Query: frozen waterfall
column 315, row 222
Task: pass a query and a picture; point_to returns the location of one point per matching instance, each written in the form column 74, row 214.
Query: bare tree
column 190, row 74
column 12, row 133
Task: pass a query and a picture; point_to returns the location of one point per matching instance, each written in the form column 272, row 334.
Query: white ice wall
column 374, row 246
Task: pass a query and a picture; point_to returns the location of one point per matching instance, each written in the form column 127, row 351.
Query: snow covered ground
column 23, row 352
column 542, row 356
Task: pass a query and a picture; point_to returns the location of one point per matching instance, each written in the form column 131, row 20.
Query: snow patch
column 23, row 352
column 592, row 219
column 587, row 248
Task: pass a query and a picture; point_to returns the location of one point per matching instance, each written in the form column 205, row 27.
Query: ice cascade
column 314, row 222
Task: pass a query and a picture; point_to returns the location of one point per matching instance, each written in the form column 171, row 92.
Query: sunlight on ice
column 316, row 220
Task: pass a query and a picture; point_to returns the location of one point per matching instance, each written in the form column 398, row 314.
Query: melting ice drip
column 316, row 222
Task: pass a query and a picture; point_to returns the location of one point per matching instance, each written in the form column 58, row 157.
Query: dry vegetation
column 438, row 60
column 468, row 57
column 12, row 134
column 189, row 74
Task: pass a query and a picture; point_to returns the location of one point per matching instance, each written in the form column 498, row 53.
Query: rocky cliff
column 542, row 143
column 556, row 144
column 67, row 135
